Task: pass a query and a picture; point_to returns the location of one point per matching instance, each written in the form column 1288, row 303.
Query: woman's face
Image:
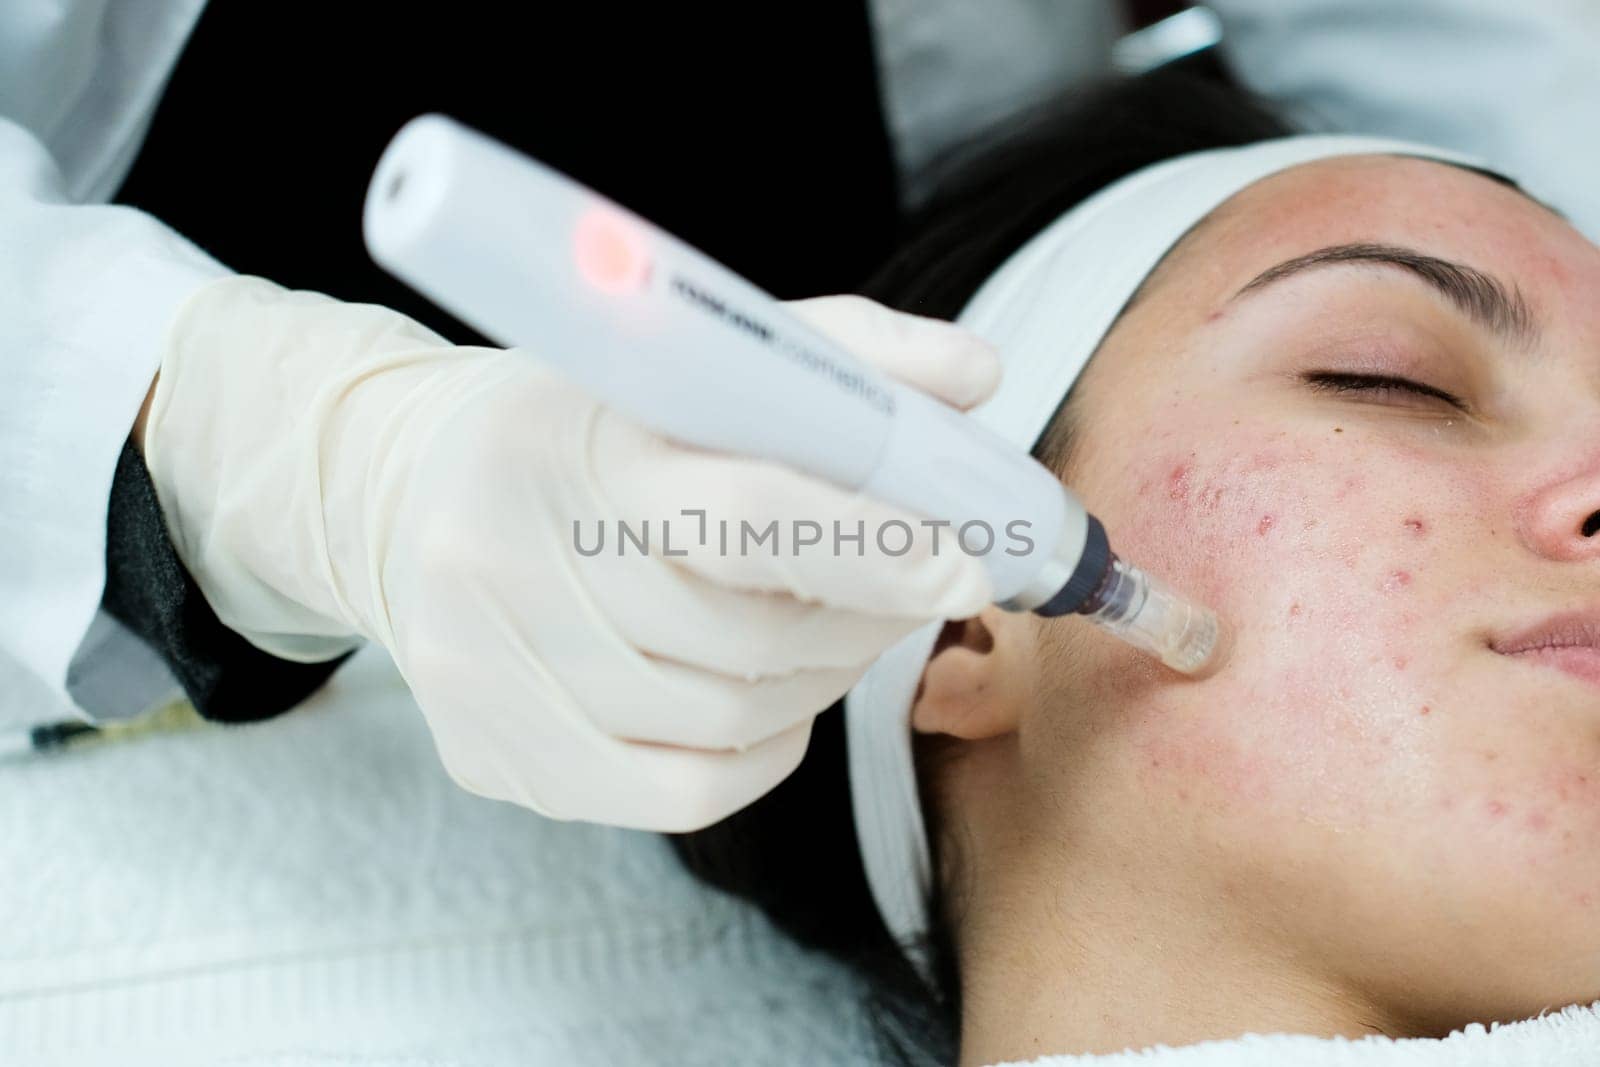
column 1393, row 771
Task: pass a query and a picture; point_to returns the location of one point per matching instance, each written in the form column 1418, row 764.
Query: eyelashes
column 1379, row 387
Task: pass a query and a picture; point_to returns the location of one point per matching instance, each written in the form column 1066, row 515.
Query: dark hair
column 794, row 852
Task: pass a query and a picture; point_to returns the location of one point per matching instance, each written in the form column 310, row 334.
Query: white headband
column 1048, row 307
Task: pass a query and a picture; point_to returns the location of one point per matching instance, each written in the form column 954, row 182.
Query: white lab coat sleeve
column 950, row 69
column 86, row 295
column 1515, row 83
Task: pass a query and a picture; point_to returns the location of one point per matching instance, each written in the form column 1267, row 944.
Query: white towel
column 315, row 890
column 1567, row 1038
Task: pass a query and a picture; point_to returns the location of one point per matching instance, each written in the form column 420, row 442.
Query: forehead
column 1436, row 208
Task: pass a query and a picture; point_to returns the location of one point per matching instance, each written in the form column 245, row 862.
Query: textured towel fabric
column 1566, row 1038
column 314, row 889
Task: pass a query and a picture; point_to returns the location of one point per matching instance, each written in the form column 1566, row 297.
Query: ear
column 977, row 681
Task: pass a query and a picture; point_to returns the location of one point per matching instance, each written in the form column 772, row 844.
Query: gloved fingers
column 679, row 790
column 488, row 652
column 761, row 526
column 667, row 703
column 507, row 728
column 673, row 613
column 938, row 357
column 555, row 763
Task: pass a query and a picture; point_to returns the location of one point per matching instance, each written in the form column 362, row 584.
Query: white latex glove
column 329, row 470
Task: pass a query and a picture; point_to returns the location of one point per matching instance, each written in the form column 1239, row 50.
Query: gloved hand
column 331, row 471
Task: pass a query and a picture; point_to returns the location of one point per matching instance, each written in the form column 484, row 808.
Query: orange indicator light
column 610, row 255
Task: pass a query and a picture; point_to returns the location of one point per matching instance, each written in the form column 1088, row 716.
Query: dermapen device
column 686, row 347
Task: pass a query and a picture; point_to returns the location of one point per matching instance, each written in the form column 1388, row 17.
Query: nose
column 1561, row 520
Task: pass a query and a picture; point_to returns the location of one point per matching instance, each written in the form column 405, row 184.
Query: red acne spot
column 1267, row 523
column 1569, row 783
column 1216, row 316
column 1424, row 710
column 1496, row 808
column 1178, row 482
column 1417, row 527
column 1396, row 581
column 1401, row 663
column 1294, row 609
column 1585, row 899
column 1538, row 821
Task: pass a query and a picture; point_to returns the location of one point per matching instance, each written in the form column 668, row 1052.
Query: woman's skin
column 1378, row 817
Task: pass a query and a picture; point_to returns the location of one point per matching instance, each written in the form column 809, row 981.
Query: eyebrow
column 1481, row 297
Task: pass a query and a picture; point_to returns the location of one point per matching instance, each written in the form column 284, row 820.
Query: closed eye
column 1378, row 386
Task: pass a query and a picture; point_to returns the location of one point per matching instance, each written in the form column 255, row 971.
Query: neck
column 1095, row 958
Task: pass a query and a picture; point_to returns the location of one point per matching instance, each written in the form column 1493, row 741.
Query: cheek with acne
column 1226, row 530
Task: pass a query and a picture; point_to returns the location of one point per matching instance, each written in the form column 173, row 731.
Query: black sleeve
column 147, row 589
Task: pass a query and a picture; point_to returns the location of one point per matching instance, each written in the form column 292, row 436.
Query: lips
column 1569, row 643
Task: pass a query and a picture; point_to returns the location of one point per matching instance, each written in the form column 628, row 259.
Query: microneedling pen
column 685, row 346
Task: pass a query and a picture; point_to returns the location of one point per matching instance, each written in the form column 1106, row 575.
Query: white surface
column 951, row 67
column 315, row 888
column 85, row 291
column 1569, row 1037
column 1512, row 81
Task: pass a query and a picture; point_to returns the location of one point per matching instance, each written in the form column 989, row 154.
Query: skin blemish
column 1263, row 462
column 1294, row 609
column 1396, row 581
column 1338, row 429
column 1496, row 808
column 1424, row 710
column 1266, row 524
column 1178, row 481
column 1416, row 527
column 1401, row 663
column 1537, row 821
column 1570, row 783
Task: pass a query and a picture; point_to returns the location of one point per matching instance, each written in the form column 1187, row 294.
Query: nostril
column 1591, row 525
